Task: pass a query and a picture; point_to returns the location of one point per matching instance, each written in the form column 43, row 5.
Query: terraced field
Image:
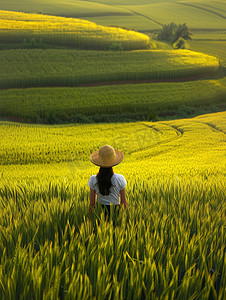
column 17, row 27
column 216, row 48
column 96, row 104
column 63, row 68
column 151, row 13
column 33, row 68
column 170, row 241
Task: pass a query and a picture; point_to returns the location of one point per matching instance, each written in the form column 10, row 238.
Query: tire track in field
column 179, row 134
column 212, row 126
column 146, row 17
column 203, row 9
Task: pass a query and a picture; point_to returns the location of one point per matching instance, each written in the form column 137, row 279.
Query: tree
column 172, row 32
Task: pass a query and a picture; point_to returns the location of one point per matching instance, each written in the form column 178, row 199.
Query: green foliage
column 116, row 47
column 33, row 44
column 180, row 44
column 172, row 32
column 152, row 116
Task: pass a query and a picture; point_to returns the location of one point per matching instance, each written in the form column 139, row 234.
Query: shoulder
column 92, row 181
column 119, row 176
column 121, row 180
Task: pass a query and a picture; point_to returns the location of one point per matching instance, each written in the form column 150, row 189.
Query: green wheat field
column 74, row 76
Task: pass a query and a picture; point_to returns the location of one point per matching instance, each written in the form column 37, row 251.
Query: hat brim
column 96, row 159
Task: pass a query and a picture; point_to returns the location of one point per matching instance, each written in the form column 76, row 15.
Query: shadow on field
column 181, row 112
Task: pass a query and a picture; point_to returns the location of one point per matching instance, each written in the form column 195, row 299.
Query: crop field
column 51, row 105
column 216, row 48
column 69, row 86
column 16, row 27
column 209, row 14
column 207, row 36
column 34, row 68
column 181, row 13
column 170, row 241
column 68, row 8
column 133, row 21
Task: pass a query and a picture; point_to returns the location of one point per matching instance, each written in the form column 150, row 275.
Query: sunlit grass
column 169, row 242
column 35, row 68
column 17, row 26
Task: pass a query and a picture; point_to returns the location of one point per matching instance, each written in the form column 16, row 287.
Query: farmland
column 33, row 68
column 216, row 48
column 52, row 105
column 17, row 27
column 67, row 87
column 176, row 188
column 207, row 14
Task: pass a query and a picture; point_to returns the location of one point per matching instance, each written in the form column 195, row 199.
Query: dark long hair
column 104, row 180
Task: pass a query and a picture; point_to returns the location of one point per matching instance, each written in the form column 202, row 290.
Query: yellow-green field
column 209, row 14
column 216, row 48
column 170, row 241
column 35, row 68
column 18, row 27
column 112, row 102
column 189, row 144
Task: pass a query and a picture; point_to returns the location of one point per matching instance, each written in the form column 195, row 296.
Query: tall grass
column 169, row 243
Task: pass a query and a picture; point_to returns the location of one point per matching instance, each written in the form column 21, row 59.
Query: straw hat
column 106, row 157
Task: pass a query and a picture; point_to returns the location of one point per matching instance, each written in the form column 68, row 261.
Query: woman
column 107, row 185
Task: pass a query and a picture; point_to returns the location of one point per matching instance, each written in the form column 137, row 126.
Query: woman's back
column 118, row 183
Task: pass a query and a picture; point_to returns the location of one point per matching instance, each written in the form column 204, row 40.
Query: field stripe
column 148, row 18
column 179, row 134
column 212, row 126
column 204, row 9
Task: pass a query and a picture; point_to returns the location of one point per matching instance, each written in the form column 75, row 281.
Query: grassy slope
column 67, row 8
column 133, row 21
column 198, row 14
column 16, row 27
column 175, row 12
column 52, row 105
column 190, row 145
column 30, row 68
column 209, row 36
column 216, row 48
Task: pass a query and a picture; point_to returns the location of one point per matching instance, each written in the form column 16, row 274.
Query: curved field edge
column 17, row 27
column 215, row 48
column 40, row 68
column 98, row 104
column 174, row 220
column 33, row 144
column 151, row 13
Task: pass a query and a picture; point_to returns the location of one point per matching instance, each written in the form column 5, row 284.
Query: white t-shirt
column 118, row 183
